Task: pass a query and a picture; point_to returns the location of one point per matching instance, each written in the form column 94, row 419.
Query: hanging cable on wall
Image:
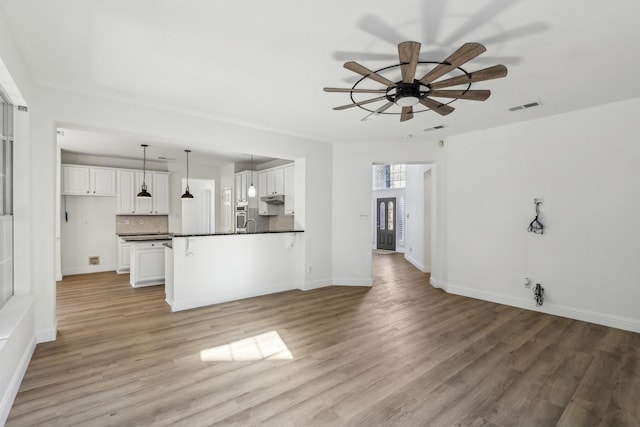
column 536, row 226
column 537, row 294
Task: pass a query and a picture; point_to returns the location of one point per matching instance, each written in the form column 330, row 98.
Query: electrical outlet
column 141, row 221
column 309, row 269
column 527, row 282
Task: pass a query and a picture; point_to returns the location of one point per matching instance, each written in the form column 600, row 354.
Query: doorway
column 386, row 223
column 198, row 214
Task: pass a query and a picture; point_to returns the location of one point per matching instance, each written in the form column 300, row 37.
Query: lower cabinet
column 147, row 264
column 123, row 257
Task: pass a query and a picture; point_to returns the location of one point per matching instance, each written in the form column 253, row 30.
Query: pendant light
column 251, row 191
column 186, row 194
column 143, row 192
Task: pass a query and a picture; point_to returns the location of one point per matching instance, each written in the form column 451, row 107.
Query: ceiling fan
column 409, row 91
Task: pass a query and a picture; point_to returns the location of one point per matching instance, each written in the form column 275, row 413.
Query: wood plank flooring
column 398, row 354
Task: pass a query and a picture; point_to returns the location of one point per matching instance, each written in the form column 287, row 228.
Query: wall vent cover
column 522, row 107
column 94, row 260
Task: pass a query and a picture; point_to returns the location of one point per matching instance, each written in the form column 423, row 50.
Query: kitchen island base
column 208, row 270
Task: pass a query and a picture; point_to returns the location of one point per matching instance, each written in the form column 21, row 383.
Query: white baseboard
column 598, row 318
column 417, row 264
column 48, row 334
column 186, row 304
column 346, row 281
column 16, row 380
column 316, row 284
column 88, row 269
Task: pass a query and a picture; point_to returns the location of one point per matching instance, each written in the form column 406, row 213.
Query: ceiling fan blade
column 407, row 114
column 344, row 107
column 495, row 72
column 364, row 71
column 465, row 53
column 378, row 111
column 409, row 53
column 473, row 95
column 436, row 106
column 339, row 89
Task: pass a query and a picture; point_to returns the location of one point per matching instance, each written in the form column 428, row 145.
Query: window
column 389, row 176
column 6, row 200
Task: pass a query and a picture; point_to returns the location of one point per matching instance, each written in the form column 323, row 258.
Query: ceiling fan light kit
column 410, row 92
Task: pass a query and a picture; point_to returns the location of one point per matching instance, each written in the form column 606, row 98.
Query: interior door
column 386, row 223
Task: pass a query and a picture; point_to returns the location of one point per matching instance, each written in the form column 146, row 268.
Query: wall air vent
column 522, row 107
column 434, row 128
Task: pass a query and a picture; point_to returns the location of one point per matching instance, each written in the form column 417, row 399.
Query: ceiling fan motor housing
column 406, row 94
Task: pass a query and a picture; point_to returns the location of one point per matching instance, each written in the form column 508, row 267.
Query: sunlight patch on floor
column 264, row 346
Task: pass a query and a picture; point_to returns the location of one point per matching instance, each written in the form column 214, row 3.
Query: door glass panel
column 390, row 215
column 383, row 216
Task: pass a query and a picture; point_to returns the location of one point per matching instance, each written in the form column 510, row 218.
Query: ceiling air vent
column 522, row 107
column 434, row 128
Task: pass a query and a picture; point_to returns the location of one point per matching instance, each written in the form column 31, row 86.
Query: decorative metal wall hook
column 536, row 226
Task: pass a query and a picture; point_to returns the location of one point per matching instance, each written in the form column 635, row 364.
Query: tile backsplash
column 128, row 224
column 281, row 223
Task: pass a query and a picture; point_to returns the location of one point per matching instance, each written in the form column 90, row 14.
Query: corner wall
column 585, row 165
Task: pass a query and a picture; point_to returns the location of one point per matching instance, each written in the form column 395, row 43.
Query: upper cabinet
column 130, row 184
column 243, row 181
column 277, row 181
column 88, row 181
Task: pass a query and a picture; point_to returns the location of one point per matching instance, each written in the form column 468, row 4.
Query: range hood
column 275, row 199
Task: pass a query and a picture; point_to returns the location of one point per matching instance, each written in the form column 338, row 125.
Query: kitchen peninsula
column 205, row 269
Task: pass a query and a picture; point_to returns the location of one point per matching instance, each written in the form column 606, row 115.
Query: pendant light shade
column 143, row 191
column 251, row 191
column 186, row 194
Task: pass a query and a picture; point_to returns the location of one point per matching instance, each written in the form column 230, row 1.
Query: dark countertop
column 237, row 234
column 144, row 237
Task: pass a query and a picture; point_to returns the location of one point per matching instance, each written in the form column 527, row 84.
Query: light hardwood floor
column 399, row 354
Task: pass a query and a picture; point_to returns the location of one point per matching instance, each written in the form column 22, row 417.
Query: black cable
column 536, row 226
column 537, row 292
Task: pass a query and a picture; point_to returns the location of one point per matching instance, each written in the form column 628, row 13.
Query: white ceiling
column 264, row 63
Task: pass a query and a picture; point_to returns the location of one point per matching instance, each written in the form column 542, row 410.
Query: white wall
column 585, row 165
column 17, row 328
column 89, row 231
column 417, row 221
column 351, row 227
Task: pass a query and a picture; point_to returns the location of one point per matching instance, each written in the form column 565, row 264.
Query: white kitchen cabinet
column 160, row 195
column 123, row 257
column 126, row 198
column 289, row 189
column 147, row 264
column 241, row 187
column 129, row 184
column 144, row 205
column 263, row 208
column 88, row 181
column 275, row 181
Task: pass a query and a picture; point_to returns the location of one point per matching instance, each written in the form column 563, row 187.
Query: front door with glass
column 386, row 224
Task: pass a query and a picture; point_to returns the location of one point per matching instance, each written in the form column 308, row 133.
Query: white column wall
column 352, row 216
